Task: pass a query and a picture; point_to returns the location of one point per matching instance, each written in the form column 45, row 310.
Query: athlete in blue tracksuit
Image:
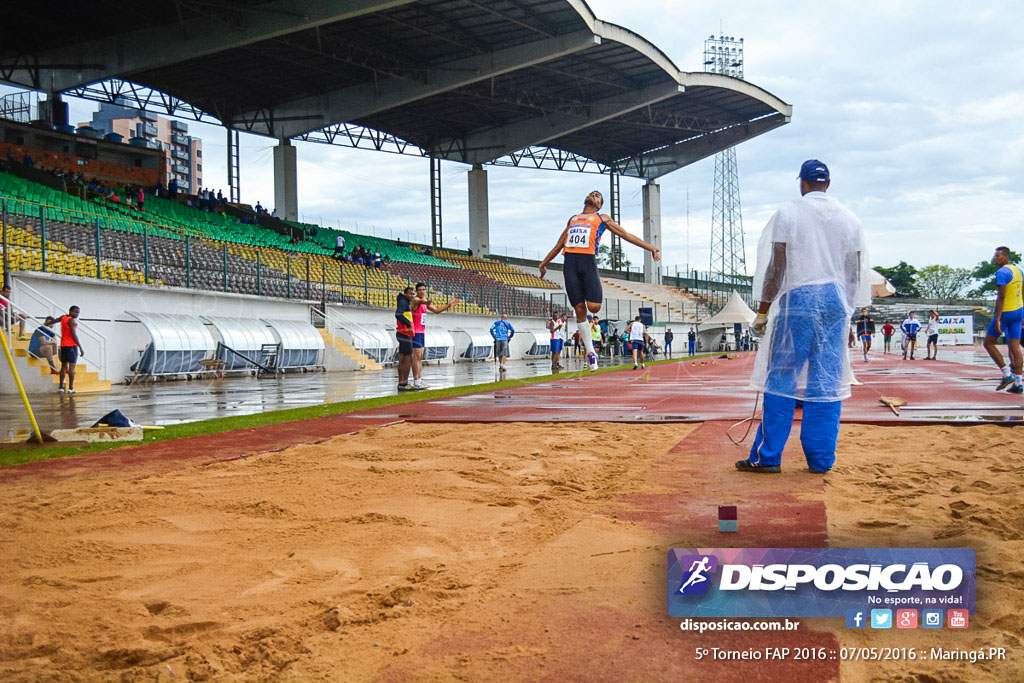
column 811, row 274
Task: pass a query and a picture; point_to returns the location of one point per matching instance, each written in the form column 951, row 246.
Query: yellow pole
column 21, row 388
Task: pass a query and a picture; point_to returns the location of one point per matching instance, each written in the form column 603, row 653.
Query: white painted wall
column 103, row 305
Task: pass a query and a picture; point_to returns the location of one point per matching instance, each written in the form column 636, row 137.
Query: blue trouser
column 808, row 344
column 692, row 347
column 819, row 431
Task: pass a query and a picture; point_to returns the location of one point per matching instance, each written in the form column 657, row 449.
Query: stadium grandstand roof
column 521, row 82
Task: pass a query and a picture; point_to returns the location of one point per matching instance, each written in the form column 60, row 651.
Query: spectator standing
column 70, row 349
column 637, row 341
column 668, row 341
column 910, row 328
column 932, row 331
column 595, row 333
column 557, row 327
column 419, row 341
column 502, row 333
column 404, row 333
column 887, row 332
column 865, row 331
column 691, row 342
column 339, row 247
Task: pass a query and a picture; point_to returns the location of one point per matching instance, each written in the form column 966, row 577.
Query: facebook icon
column 856, row 618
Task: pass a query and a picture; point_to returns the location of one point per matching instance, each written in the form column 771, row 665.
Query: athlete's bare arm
column 543, row 267
column 442, row 309
column 73, row 324
column 629, row 237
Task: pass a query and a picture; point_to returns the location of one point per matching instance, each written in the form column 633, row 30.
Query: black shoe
column 747, row 466
column 1016, row 389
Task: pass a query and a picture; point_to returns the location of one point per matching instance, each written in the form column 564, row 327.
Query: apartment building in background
column 183, row 153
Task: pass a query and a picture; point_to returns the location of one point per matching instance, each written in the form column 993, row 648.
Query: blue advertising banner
column 816, row 582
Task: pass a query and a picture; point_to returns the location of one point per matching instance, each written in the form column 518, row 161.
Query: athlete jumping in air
column 579, row 242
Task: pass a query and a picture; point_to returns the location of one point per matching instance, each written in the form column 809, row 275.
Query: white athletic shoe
column 71, row 391
column 592, row 361
column 61, row 389
column 643, row 366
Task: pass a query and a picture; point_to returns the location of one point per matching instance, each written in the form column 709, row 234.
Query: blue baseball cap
column 813, row 171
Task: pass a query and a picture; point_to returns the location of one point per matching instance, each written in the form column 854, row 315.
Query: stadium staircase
column 670, row 297
column 36, row 375
column 360, row 359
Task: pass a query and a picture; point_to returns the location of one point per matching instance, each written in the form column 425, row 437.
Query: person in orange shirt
column 70, row 349
column 579, row 243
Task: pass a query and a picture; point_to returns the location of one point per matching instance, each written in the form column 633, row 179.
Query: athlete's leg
column 417, row 363
column 1016, row 355
column 404, row 365
column 993, row 351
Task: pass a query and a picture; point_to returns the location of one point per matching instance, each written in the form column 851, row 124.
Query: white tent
column 735, row 311
column 879, row 285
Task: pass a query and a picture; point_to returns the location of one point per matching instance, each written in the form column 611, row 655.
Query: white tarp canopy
column 735, row 311
column 879, row 285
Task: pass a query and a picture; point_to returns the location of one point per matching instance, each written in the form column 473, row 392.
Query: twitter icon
column 881, row 618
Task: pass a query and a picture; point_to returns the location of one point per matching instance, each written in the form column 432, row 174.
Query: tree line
column 944, row 282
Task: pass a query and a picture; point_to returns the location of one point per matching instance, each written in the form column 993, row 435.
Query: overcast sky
column 915, row 107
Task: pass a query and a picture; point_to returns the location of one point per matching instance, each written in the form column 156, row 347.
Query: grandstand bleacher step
column 86, row 381
column 352, row 352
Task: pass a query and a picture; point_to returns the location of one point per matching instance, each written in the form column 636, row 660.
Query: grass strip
column 225, row 424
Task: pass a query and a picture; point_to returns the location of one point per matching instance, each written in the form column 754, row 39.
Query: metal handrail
column 98, row 359
column 327, row 327
column 335, row 319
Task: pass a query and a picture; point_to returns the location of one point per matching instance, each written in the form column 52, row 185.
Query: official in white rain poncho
column 811, row 276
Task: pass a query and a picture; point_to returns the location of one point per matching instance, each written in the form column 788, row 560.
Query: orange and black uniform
column 404, row 330
column 582, row 282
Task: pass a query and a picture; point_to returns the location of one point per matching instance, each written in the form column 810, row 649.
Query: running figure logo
column 697, row 581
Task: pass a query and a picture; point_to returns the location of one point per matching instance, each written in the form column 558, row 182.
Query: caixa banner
column 816, row 582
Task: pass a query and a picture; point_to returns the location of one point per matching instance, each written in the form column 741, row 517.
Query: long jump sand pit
column 506, row 551
column 937, row 486
column 346, row 560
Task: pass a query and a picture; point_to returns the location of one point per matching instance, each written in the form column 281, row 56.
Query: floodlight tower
column 724, row 55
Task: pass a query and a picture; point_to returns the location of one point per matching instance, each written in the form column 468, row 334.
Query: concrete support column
column 56, row 110
column 479, row 225
column 652, row 229
column 286, row 184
